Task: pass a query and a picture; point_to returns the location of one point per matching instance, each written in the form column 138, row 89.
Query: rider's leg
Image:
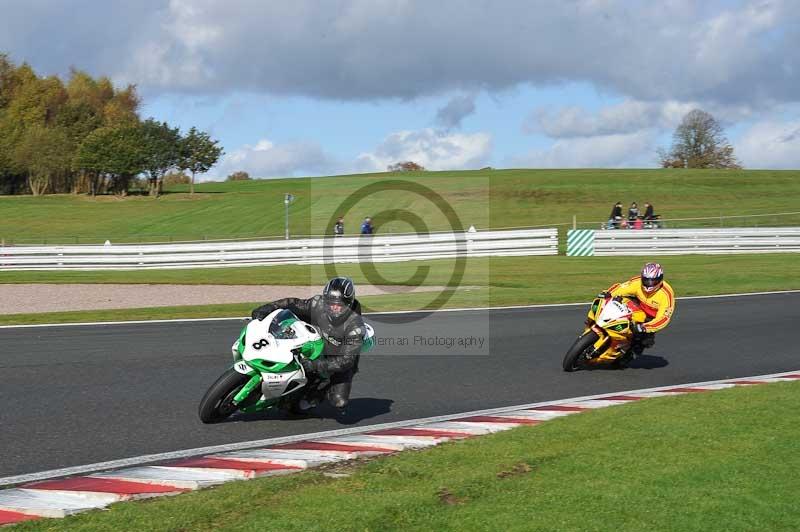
column 642, row 341
column 339, row 392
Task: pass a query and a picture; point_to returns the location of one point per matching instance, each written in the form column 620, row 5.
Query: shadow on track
column 648, row 362
column 640, row 362
column 358, row 410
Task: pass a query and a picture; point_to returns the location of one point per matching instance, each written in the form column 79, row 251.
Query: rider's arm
column 353, row 340
column 665, row 309
column 300, row 307
column 627, row 289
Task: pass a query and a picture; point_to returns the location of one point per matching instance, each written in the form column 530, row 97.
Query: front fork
column 600, row 343
column 252, row 384
column 605, row 349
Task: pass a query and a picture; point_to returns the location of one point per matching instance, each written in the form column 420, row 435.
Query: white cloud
column 605, row 151
column 266, row 159
column 435, row 150
column 626, row 117
column 364, row 49
column 770, row 144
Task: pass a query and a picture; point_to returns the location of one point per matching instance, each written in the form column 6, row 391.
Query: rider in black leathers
column 337, row 314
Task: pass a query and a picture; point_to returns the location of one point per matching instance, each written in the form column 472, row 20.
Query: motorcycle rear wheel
column 573, row 360
column 217, row 404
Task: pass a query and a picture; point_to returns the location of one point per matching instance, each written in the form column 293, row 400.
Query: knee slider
column 338, row 400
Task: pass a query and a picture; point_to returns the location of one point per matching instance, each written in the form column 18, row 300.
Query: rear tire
column 573, row 360
column 217, row 404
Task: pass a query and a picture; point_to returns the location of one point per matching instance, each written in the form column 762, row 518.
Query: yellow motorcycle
column 607, row 338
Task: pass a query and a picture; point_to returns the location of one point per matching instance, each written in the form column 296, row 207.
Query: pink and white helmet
column 652, row 277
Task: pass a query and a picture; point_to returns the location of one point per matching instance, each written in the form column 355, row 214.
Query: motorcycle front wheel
column 573, row 360
column 217, row 403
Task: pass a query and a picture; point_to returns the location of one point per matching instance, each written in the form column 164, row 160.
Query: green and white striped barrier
column 580, row 243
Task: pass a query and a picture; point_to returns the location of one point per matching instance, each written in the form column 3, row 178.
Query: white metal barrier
column 696, row 241
column 305, row 251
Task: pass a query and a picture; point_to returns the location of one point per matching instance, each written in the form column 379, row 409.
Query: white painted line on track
column 327, row 435
column 385, row 313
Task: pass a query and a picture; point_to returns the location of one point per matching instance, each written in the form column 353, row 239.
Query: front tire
column 573, row 360
column 217, row 404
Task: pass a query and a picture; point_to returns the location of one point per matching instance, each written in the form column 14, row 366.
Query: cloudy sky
column 335, row 86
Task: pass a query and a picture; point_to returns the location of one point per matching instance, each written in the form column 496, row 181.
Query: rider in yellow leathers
column 656, row 299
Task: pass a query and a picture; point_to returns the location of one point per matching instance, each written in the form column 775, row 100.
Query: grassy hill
column 494, row 198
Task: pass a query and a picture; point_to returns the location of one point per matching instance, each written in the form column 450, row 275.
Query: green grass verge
column 724, row 461
column 497, row 198
column 498, row 282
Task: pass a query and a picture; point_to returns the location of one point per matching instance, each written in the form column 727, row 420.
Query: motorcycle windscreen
column 613, row 311
column 281, row 325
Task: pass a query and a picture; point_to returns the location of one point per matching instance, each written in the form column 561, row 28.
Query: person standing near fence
column 338, row 229
column 366, row 226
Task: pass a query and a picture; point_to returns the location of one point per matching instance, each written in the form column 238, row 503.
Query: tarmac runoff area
column 33, row 298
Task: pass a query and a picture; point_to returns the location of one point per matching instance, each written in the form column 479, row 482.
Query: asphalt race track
column 77, row 395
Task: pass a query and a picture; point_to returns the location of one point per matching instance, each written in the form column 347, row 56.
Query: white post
column 574, row 221
column 287, row 199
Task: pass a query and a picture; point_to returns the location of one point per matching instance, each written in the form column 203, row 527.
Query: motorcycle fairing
column 612, row 319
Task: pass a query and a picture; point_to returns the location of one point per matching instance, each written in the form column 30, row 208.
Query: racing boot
column 303, row 407
column 308, row 402
column 339, row 392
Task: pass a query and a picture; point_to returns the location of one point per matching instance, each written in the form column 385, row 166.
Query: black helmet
column 338, row 296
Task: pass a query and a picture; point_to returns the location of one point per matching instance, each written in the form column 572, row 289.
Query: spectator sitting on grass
column 650, row 218
column 633, row 212
column 616, row 216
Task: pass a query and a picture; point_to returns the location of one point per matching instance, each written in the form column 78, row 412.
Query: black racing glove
column 639, row 328
column 603, row 294
column 311, row 367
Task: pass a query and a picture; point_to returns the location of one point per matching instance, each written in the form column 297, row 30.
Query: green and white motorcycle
column 266, row 371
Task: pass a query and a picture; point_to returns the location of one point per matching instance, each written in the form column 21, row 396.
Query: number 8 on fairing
column 261, row 343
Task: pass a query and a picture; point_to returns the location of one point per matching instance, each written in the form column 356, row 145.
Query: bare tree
column 699, row 142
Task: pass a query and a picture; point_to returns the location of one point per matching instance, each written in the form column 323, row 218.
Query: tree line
column 84, row 135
